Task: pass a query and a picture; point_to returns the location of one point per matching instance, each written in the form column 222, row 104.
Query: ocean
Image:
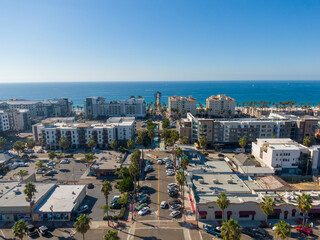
column 241, row 91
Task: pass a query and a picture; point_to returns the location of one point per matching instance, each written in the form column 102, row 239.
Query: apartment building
column 49, row 132
column 220, row 105
column 40, row 109
column 19, row 119
column 229, row 131
column 4, row 122
column 98, row 107
column 285, row 155
column 182, row 105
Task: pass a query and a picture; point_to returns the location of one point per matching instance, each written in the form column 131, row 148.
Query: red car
column 304, row 230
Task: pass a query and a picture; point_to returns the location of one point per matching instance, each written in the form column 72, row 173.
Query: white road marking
column 200, row 235
column 186, row 234
column 3, row 234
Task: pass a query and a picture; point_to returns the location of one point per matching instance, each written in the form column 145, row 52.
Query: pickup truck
column 212, row 230
column 304, row 230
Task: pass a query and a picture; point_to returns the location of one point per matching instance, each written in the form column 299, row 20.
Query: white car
column 174, row 213
column 160, row 161
column 171, row 173
column 143, row 211
column 116, row 198
column 171, row 185
column 163, row 204
column 83, row 208
column 65, row 161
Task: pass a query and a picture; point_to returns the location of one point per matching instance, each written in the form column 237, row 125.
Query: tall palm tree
column 31, row 143
column 22, row 174
column 29, row 191
column 111, row 235
column 283, row 230
column 230, row 230
column 267, row 206
column 134, row 170
column 223, row 203
column 184, row 165
column 106, row 190
column 19, row 229
column 304, row 202
column 178, row 154
column 40, row 165
column 18, row 146
column 82, row 224
column 3, row 142
column 91, row 143
column 181, row 178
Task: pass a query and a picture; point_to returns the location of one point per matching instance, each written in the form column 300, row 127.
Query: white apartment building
column 97, row 106
column 221, row 105
column 182, row 105
column 19, row 119
column 42, row 108
column 49, row 132
column 4, row 122
column 285, row 155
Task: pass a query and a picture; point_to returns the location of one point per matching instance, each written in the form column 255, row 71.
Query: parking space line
column 200, row 235
column 2, row 233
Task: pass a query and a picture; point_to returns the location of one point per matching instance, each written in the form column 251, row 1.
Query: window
column 243, row 216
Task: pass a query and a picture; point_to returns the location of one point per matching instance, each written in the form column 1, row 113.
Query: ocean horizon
column 242, row 91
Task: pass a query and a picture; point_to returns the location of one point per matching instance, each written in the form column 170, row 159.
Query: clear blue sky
column 152, row 40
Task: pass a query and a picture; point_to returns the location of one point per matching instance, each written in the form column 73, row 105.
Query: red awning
column 247, row 212
column 229, row 213
column 202, row 213
column 294, row 210
column 286, row 212
column 218, row 212
column 314, row 211
column 277, row 211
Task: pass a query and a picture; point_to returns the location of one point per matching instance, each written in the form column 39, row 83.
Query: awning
column 277, row 211
column 314, row 211
column 202, row 213
column 247, row 212
column 229, row 213
column 286, row 212
column 218, row 212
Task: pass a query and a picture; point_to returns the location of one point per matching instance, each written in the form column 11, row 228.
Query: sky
column 159, row 40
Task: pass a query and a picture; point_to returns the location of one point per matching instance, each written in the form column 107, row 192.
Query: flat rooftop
column 108, row 161
column 11, row 193
column 62, row 198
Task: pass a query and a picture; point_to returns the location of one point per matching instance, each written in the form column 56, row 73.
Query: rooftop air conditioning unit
column 201, row 181
column 215, row 180
column 229, row 181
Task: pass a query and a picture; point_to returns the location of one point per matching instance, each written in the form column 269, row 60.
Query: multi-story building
column 19, row 119
column 49, row 132
column 98, row 107
column 40, row 109
column 220, row 105
column 285, row 155
column 229, row 131
column 4, row 122
column 182, row 105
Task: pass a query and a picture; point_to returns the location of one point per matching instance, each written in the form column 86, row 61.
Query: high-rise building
column 4, row 122
column 182, row 105
column 220, row 105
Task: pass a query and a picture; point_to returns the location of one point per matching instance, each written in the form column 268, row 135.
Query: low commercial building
column 51, row 202
column 285, row 155
column 106, row 165
column 78, row 134
column 98, row 107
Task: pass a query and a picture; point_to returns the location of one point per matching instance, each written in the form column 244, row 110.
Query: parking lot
column 159, row 191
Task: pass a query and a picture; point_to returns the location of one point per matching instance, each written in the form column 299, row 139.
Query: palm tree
column 223, row 203
column 231, row 230
column 63, row 143
column 178, row 154
column 22, row 174
column 242, row 142
column 203, row 142
column 31, row 143
column 106, row 190
column 283, row 230
column 184, row 165
column 82, row 224
column 130, row 144
column 181, row 178
column 19, row 229
column 18, row 146
column 91, row 143
column 29, row 191
column 304, row 202
column 3, row 142
column 51, row 155
column 134, row 170
column 267, row 206
column 88, row 158
column 111, row 235
column 40, row 165
column 113, row 144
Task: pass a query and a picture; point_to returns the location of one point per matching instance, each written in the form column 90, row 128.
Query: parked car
column 160, row 161
column 142, row 205
column 304, row 230
column 144, row 211
column 176, row 206
column 142, row 197
column 175, row 201
column 49, row 174
column 212, row 230
column 163, row 204
column 150, row 177
column 115, row 205
column 175, row 213
column 248, row 231
column 83, row 209
column 31, row 230
column 171, row 173
column 173, row 190
column 173, row 194
column 90, row 186
column 148, row 168
column 263, row 233
column 172, row 185
column 44, row 230
column 143, row 188
column 65, row 161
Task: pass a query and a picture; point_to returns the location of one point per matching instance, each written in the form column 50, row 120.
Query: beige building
column 220, row 105
column 182, row 105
